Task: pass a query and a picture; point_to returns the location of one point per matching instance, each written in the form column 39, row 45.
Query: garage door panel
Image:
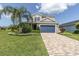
column 47, row 28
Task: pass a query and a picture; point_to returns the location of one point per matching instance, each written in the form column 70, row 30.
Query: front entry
column 34, row 26
column 47, row 28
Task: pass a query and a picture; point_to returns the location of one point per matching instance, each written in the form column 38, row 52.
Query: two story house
column 45, row 23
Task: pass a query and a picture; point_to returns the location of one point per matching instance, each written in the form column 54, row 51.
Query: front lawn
column 31, row 45
column 71, row 35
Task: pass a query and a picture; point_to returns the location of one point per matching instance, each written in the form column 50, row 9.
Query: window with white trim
column 37, row 19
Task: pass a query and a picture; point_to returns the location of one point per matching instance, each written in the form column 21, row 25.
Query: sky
column 63, row 12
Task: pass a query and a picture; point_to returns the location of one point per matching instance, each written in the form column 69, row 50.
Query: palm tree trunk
column 20, row 28
column 31, row 26
column 31, row 22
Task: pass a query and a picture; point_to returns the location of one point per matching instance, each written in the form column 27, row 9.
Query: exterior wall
column 49, row 21
column 57, row 30
column 35, row 17
column 70, row 28
column 46, row 24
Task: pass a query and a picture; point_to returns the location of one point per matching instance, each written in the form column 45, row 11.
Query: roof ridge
column 43, row 15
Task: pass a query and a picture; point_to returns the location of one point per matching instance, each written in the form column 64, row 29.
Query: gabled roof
column 47, row 20
column 45, row 16
column 69, row 23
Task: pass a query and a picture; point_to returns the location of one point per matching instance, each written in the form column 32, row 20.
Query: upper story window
column 37, row 19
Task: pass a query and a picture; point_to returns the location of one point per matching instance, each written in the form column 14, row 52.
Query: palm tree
column 23, row 13
column 29, row 18
column 16, row 13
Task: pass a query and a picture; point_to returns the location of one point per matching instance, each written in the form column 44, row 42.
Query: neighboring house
column 45, row 23
column 70, row 26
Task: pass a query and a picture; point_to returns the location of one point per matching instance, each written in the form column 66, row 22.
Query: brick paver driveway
column 60, row 45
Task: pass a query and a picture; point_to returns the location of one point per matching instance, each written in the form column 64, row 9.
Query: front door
column 34, row 26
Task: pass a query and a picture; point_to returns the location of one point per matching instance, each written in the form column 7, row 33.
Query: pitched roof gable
column 47, row 20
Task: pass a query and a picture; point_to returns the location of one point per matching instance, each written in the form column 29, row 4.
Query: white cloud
column 37, row 7
column 54, row 7
column 3, row 15
column 6, row 16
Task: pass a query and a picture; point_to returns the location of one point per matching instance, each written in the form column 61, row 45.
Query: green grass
column 71, row 35
column 31, row 45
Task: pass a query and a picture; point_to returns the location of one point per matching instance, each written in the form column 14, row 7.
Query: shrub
column 13, row 28
column 2, row 28
column 26, row 28
column 77, row 25
column 62, row 29
column 76, row 32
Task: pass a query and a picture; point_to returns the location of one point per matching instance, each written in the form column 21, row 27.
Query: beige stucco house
column 45, row 23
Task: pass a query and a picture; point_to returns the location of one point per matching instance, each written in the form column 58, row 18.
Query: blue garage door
column 47, row 28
